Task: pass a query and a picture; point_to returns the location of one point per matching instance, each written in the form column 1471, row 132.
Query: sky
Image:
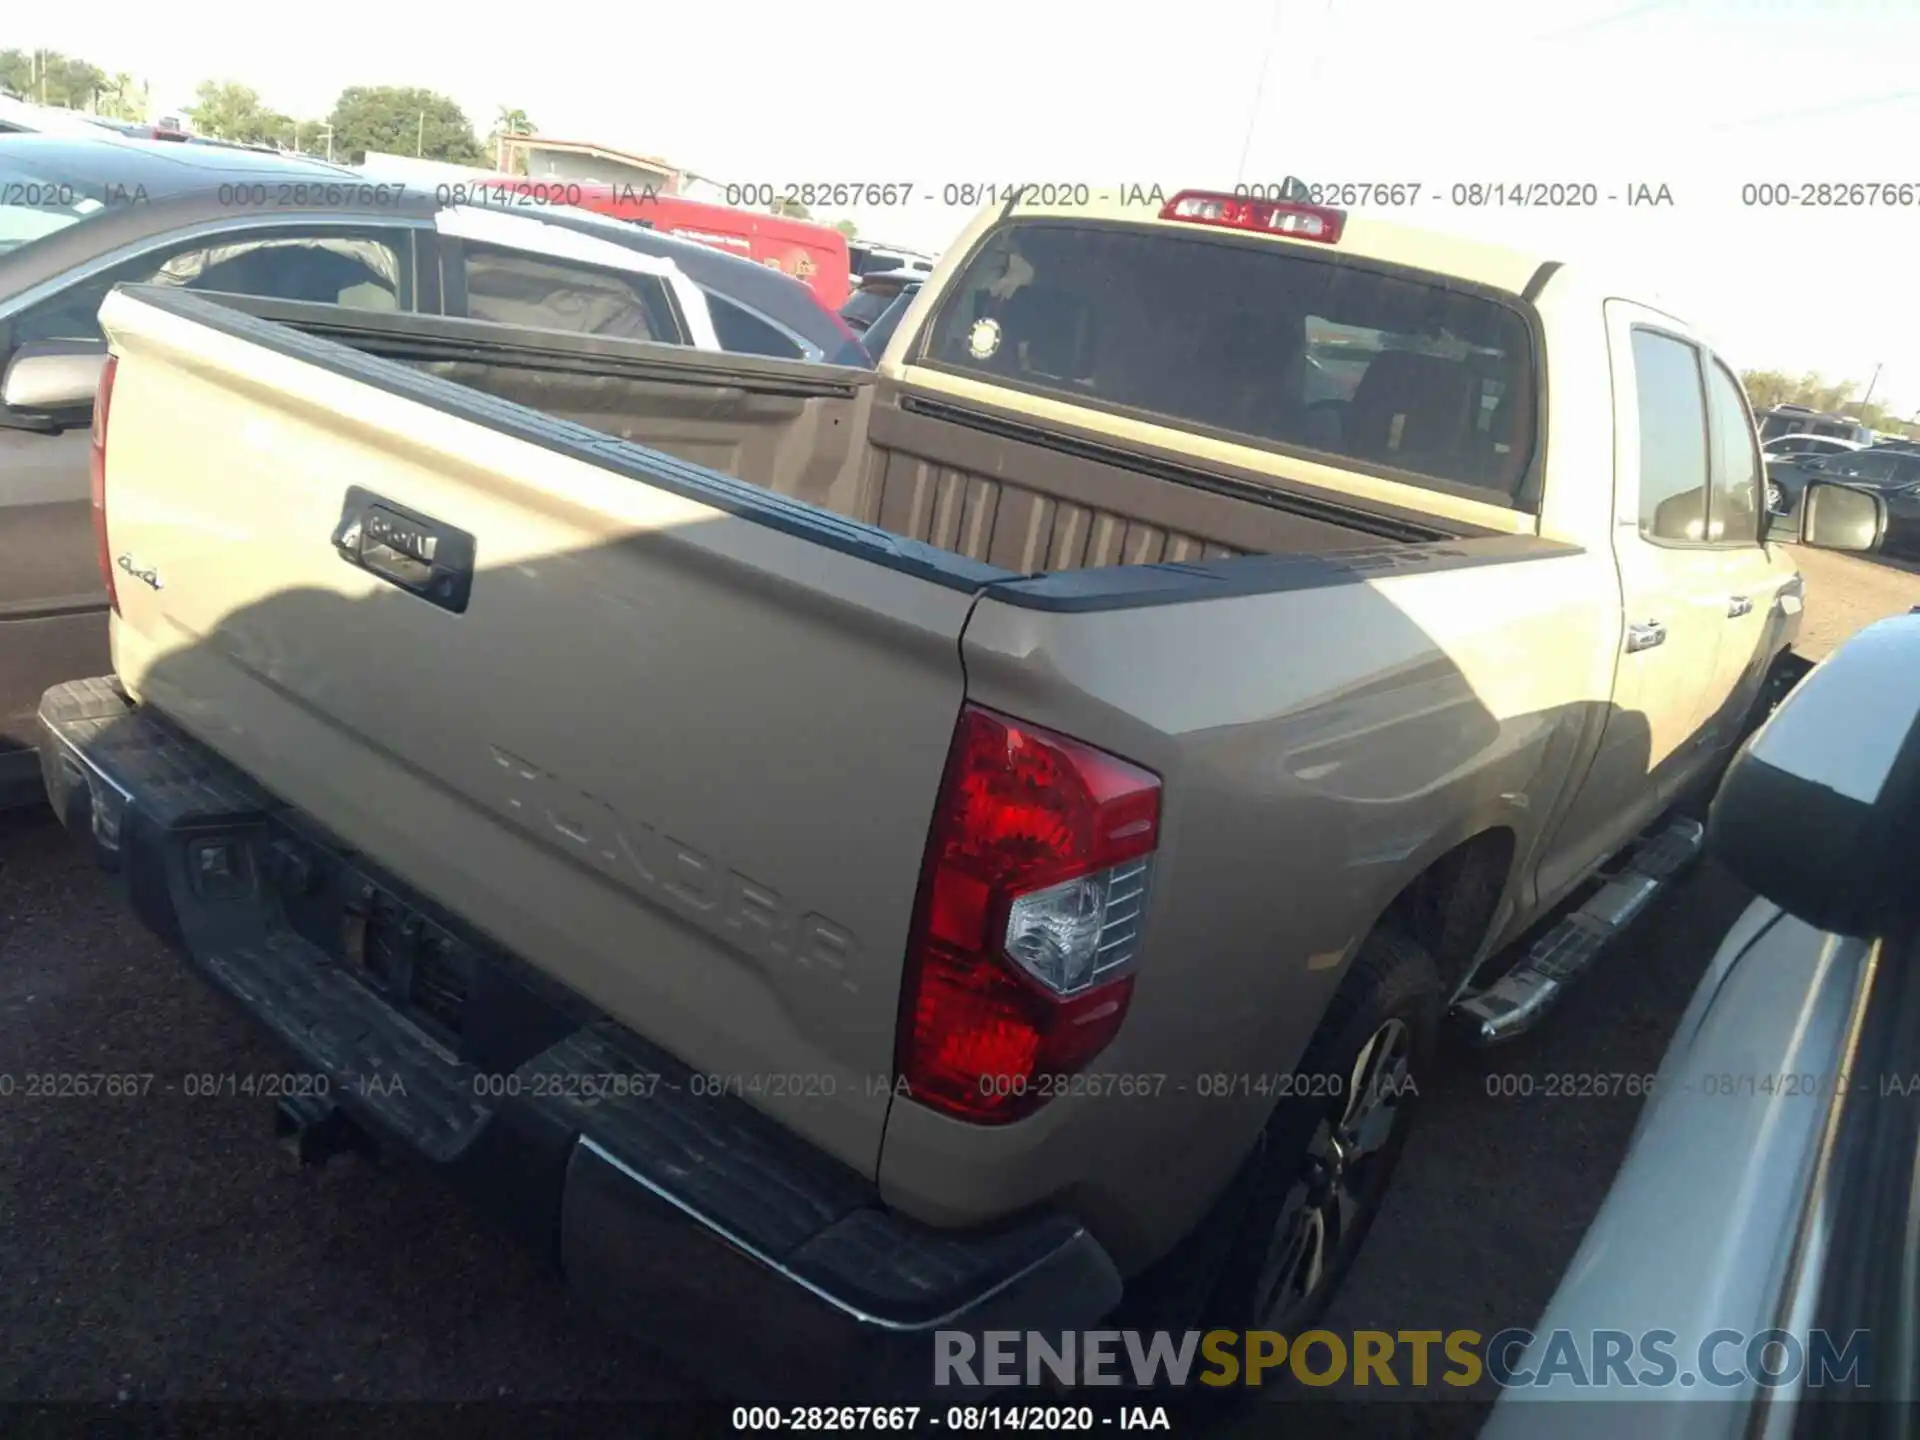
column 1703, row 97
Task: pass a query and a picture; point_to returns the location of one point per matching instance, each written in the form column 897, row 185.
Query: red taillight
column 1240, row 212
column 1028, row 922
column 97, row 466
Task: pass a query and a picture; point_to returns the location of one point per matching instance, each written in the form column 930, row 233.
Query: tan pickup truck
column 832, row 855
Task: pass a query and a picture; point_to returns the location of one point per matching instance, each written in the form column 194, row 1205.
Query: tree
column 225, row 110
column 510, row 120
column 125, row 99
column 402, row 121
column 792, row 209
column 847, row 228
column 1768, row 388
column 47, row 77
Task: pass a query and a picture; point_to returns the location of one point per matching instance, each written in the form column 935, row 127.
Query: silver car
column 1759, row 1252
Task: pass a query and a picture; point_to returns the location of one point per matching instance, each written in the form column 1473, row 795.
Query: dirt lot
column 162, row 1248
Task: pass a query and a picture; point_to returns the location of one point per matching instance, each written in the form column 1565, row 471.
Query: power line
column 1260, row 86
column 1259, row 89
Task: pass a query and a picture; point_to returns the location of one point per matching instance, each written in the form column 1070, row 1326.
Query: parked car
column 1801, row 420
column 1785, row 446
column 813, row 254
column 864, row 257
column 1886, row 467
column 1012, row 834
column 1769, row 1190
column 877, row 336
column 79, row 216
column 757, row 309
column 1894, row 472
column 1787, row 477
column 874, row 294
column 1891, row 471
column 1903, row 522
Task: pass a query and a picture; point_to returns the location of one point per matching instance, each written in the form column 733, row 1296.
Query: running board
column 1514, row 1003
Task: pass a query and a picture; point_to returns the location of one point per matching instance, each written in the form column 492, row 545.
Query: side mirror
column 1820, row 810
column 1841, row 517
column 49, row 384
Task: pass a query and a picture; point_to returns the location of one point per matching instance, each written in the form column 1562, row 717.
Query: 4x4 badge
column 128, row 564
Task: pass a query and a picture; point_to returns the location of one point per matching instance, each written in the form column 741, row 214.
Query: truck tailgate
column 672, row 739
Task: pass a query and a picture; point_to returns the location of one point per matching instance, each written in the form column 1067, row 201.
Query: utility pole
column 1869, row 395
column 329, row 129
column 420, row 140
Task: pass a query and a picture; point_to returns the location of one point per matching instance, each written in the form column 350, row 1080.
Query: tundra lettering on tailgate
column 750, row 915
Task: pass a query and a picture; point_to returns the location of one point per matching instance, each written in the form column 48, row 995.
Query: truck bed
column 963, row 479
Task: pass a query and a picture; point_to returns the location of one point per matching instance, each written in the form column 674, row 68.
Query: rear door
column 1672, row 581
column 672, row 739
column 1753, row 573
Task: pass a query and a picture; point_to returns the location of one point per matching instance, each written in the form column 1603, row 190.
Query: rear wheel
column 1321, row 1176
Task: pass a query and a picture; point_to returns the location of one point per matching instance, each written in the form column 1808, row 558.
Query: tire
column 1212, row 1280
column 1392, row 990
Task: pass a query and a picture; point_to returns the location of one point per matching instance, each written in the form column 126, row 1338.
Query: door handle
column 1645, row 637
column 422, row 556
column 1739, row 605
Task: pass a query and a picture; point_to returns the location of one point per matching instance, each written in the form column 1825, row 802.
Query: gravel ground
column 162, row 1249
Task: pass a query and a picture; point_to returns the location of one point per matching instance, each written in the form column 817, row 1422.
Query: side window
column 1855, row 466
column 744, row 333
column 362, row 272
column 867, row 304
column 513, row 287
column 367, row 271
column 1734, row 511
column 877, row 336
column 1673, row 438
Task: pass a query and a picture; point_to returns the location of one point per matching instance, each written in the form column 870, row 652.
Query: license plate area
column 413, row 963
column 480, row 1004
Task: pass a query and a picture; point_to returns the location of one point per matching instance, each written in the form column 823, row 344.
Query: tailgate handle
column 423, row 556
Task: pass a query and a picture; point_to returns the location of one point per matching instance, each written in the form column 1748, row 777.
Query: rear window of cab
column 1274, row 346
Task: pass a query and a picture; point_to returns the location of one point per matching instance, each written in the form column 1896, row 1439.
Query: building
column 545, row 157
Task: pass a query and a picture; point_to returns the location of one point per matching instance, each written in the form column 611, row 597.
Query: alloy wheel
column 1339, row 1179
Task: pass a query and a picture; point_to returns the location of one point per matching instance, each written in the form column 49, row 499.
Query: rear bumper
column 695, row 1219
